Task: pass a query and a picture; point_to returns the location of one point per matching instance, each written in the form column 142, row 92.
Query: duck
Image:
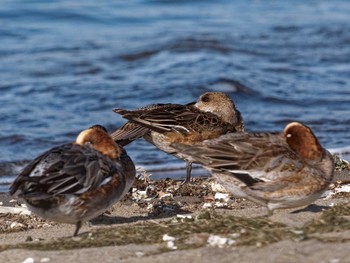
column 277, row 170
column 77, row 181
column 214, row 114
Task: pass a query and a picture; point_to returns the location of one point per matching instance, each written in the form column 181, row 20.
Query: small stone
column 29, row 239
column 139, row 254
column 184, row 218
column 221, row 205
column 297, row 232
column 207, row 205
column 218, row 241
column 170, row 241
column 167, row 197
column 166, row 237
column 28, row 260
column 218, row 187
column 43, row 260
column 222, row 196
column 16, row 225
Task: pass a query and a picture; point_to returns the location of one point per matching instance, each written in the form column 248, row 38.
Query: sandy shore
column 145, row 227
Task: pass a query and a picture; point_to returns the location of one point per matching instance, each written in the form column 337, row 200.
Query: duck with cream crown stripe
column 212, row 115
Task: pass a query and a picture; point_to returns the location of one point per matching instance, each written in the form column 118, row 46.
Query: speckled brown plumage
column 278, row 170
column 212, row 115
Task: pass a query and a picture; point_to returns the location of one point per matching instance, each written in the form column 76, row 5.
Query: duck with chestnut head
column 276, row 170
column 75, row 182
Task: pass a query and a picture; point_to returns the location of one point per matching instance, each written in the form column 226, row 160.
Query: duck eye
column 205, row 98
column 89, row 142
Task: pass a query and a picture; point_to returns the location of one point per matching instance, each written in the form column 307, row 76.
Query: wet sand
column 134, row 229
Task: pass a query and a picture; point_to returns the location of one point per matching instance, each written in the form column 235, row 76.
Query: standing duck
column 212, row 115
column 276, row 170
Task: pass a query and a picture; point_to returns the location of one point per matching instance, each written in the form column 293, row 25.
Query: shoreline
column 165, row 221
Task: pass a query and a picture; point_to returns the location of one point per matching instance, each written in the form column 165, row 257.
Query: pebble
column 218, row 241
column 218, row 187
column 43, row 260
column 170, row 241
column 166, row 237
column 222, row 196
column 184, row 218
column 16, row 224
column 167, row 197
column 28, row 260
column 207, row 205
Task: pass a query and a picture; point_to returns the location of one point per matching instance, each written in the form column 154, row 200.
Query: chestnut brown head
column 98, row 138
column 302, row 140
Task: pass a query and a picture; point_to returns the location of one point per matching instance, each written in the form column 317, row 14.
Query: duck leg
column 188, row 172
column 77, row 227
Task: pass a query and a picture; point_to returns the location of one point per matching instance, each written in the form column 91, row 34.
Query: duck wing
column 250, row 157
column 66, row 169
column 178, row 118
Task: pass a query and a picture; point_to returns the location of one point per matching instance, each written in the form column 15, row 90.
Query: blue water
column 64, row 65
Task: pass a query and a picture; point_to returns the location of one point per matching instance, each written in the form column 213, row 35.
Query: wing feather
column 67, row 169
column 252, row 154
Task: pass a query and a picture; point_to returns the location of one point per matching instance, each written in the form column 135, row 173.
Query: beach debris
column 340, row 164
column 28, row 260
column 336, row 190
column 10, row 222
column 216, row 187
column 207, row 205
column 218, row 241
column 142, row 174
column 138, row 195
column 221, row 205
column 139, row 254
column 44, row 260
column 160, row 208
column 16, row 225
column 167, row 197
column 170, row 241
column 181, row 218
column 222, row 197
column 14, row 210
